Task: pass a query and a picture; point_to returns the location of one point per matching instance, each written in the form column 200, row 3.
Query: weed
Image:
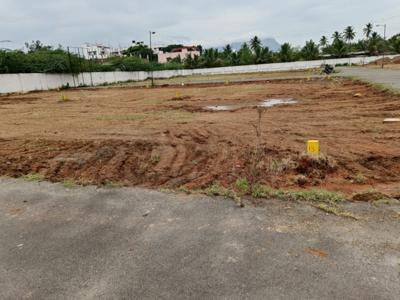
column 336, row 211
column 381, row 202
column 242, row 186
column 262, row 191
column 359, row 179
column 155, row 159
column 65, row 86
column 185, row 190
column 216, row 189
column 69, row 183
column 64, row 98
column 111, row 184
column 34, row 177
column 257, row 153
column 301, row 180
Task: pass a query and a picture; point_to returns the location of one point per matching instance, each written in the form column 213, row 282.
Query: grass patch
column 69, row 183
column 242, row 185
column 111, row 184
column 337, row 211
column 262, row 191
column 216, row 189
column 172, row 114
column 34, row 177
column 155, row 159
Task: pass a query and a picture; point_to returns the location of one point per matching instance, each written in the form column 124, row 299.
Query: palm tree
column 349, row 34
column 310, row 51
column 227, row 50
column 255, row 44
column 323, row 41
column 338, row 48
column 286, row 53
column 336, row 36
column 368, row 30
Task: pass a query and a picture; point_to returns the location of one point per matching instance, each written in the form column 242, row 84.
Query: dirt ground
column 165, row 136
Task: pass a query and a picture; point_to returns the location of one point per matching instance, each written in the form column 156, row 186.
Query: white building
column 98, row 51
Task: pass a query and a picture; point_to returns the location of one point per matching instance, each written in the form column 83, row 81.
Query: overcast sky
column 207, row 22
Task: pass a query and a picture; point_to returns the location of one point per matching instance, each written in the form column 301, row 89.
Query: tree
column 227, row 51
column 323, row 42
column 310, row 51
column 338, row 48
column 368, row 30
column 349, row 34
column 140, row 50
column 336, row 36
column 375, row 44
column 286, row 53
column 394, row 43
column 36, row 46
column 169, row 48
column 245, row 55
column 255, row 44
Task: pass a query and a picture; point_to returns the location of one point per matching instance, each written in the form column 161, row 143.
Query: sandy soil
column 165, row 137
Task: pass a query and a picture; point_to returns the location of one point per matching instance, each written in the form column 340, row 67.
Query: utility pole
column 150, row 57
column 384, row 42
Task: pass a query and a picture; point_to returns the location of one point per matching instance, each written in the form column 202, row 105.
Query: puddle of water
column 264, row 103
column 220, row 107
column 274, row 102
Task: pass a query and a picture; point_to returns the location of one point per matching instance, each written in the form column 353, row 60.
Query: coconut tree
column 368, row 30
column 323, row 42
column 349, row 34
column 255, row 44
column 310, row 51
column 336, row 36
column 338, row 48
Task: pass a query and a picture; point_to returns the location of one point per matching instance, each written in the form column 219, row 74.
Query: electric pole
column 384, row 42
column 150, row 57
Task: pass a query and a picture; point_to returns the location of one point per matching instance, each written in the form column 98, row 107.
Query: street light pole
column 384, row 43
column 150, row 58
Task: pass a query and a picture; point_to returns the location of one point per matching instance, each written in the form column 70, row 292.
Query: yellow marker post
column 178, row 94
column 313, row 148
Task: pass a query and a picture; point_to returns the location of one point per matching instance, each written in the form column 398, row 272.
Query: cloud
column 73, row 22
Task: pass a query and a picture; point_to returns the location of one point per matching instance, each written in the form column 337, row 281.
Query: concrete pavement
column 387, row 77
column 133, row 243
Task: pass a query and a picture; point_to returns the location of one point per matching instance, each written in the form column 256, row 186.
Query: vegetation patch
column 34, row 177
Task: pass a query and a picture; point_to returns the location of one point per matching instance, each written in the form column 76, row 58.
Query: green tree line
column 40, row 58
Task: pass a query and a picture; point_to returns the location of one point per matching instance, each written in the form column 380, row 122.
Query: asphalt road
column 132, row 243
column 387, row 77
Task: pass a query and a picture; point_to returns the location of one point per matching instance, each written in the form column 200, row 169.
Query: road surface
column 387, row 77
column 132, row 243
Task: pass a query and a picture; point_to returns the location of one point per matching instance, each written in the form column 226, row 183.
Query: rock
column 357, row 95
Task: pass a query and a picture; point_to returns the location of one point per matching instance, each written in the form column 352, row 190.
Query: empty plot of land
column 167, row 136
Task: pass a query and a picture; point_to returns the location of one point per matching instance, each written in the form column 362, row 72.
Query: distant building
column 182, row 52
column 98, row 51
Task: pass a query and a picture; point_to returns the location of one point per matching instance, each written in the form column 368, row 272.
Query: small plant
column 262, row 191
column 216, row 189
column 359, row 179
column 63, row 98
column 34, row 177
column 242, row 186
column 155, row 159
column 336, row 211
column 69, row 183
column 65, row 86
column 111, row 184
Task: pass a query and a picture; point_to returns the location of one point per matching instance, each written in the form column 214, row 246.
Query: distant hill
column 271, row 43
